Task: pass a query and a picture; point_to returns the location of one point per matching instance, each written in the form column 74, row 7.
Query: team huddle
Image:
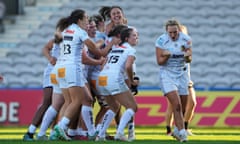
column 93, row 59
column 87, row 63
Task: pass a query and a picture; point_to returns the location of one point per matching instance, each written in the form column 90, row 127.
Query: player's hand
column 53, row 60
column 134, row 85
column 183, row 48
column 187, row 57
column 102, row 60
column 134, row 90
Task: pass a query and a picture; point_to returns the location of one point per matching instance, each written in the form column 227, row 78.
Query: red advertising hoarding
column 18, row 106
column 214, row 109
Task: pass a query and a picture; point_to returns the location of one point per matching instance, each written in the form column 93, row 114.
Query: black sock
column 168, row 129
column 186, row 125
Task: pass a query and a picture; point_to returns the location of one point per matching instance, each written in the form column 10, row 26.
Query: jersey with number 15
column 117, row 58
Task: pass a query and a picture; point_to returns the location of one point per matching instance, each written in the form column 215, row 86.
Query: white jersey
column 72, row 45
column 173, row 75
column 175, row 65
column 109, row 39
column 93, row 70
column 55, row 52
column 84, row 66
column 46, row 75
column 101, row 35
column 69, row 64
column 111, row 79
column 117, row 57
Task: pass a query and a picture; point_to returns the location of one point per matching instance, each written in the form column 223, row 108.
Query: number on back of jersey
column 113, row 59
column 66, row 49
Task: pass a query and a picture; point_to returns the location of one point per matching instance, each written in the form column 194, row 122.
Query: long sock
column 131, row 126
column 186, row 125
column 32, row 129
column 84, row 133
column 107, row 119
column 98, row 127
column 72, row 132
column 87, row 116
column 48, row 117
column 64, row 123
column 80, row 131
column 52, row 132
column 168, row 129
column 126, row 117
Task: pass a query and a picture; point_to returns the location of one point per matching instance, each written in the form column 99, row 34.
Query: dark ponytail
column 105, row 12
column 62, row 24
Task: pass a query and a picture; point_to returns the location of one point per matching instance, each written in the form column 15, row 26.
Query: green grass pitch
column 144, row 135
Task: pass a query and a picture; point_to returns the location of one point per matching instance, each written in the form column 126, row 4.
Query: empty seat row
column 18, row 82
column 213, row 25
column 28, row 60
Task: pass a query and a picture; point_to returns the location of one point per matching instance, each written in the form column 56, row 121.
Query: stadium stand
column 213, row 26
column 21, row 45
column 6, row 62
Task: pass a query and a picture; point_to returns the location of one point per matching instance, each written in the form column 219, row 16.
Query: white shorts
column 110, row 84
column 46, row 76
column 54, row 81
column 70, row 75
column 85, row 73
column 93, row 75
column 169, row 84
column 92, row 79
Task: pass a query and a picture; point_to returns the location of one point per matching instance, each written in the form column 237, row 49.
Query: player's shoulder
column 185, row 36
column 73, row 29
column 162, row 39
column 127, row 46
column 132, row 50
column 78, row 30
column 101, row 35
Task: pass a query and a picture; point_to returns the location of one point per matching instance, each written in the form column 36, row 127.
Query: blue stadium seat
column 8, row 71
column 235, row 83
column 34, row 82
column 202, row 83
column 219, row 84
column 15, row 82
column 222, row 62
column 17, row 61
column 213, row 25
column 6, row 62
column 15, row 53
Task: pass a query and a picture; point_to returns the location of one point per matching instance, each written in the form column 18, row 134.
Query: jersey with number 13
column 72, row 45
